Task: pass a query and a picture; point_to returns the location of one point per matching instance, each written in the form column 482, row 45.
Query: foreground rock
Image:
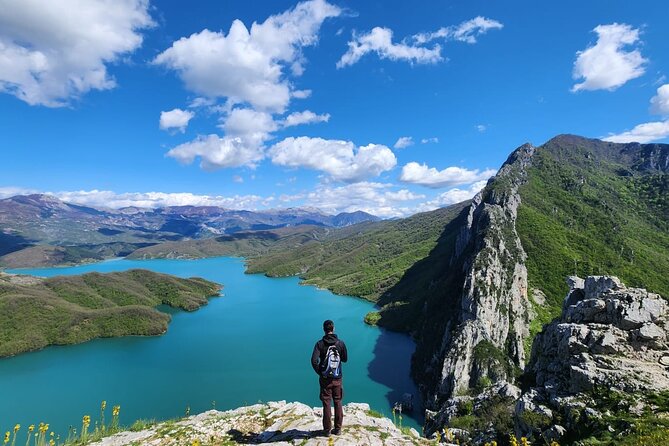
column 609, row 339
column 278, row 423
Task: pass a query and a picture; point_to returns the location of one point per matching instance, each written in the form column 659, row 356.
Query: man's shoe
column 325, row 432
column 336, row 431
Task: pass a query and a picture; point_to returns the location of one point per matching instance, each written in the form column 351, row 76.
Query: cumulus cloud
column 305, row 117
column 659, row 104
column 342, row 160
column 380, row 41
column 175, row 119
column 55, row 51
column 481, row 128
column 110, row 199
column 415, row 173
column 432, row 140
column 609, row 64
column 247, row 66
column 642, row 133
column 466, row 31
column 451, row 196
column 403, row 142
column 252, row 126
column 217, row 152
column 379, row 199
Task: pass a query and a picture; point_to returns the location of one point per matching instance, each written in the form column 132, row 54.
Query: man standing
column 326, row 359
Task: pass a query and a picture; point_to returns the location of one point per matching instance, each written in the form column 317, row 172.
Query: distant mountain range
column 43, row 220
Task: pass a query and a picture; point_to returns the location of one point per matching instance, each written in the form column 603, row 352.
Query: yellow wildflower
column 116, row 410
column 524, row 442
column 16, row 428
column 103, row 406
column 6, row 437
column 31, row 428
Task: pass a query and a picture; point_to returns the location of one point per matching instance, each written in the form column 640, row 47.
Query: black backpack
column 331, row 365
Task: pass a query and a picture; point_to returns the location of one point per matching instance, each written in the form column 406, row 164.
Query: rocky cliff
column 485, row 329
column 572, row 204
column 278, row 423
column 609, row 342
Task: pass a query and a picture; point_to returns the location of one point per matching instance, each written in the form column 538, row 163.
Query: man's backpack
column 331, row 366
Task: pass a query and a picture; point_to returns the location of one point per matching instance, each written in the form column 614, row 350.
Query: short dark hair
column 328, row 326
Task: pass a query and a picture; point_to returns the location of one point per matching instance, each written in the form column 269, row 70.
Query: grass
column 587, row 209
column 363, row 260
column 61, row 310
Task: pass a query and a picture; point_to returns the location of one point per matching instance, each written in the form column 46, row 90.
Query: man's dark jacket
column 321, row 348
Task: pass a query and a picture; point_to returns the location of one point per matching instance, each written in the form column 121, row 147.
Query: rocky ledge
column 609, row 340
column 278, row 423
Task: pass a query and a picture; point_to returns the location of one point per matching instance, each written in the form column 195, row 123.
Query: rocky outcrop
column 608, row 335
column 276, row 423
column 609, row 338
column 487, row 324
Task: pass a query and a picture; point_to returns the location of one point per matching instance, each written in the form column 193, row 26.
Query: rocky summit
column 278, row 423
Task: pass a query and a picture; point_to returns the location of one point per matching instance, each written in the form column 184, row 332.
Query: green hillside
column 592, row 207
column 364, row 260
column 60, row 310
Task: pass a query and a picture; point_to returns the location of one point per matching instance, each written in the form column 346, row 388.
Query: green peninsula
column 37, row 312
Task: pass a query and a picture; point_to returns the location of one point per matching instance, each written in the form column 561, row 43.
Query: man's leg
column 326, row 398
column 337, row 396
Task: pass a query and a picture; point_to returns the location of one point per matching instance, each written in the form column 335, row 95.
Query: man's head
column 328, row 326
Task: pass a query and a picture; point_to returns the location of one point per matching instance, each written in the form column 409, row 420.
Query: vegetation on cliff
column 60, row 310
column 592, row 207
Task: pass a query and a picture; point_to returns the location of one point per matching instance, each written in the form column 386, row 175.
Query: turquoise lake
column 251, row 344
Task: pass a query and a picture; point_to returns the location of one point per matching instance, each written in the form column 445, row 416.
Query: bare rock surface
column 608, row 337
column 276, row 423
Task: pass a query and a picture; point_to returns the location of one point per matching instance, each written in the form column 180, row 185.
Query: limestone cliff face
column 488, row 315
column 609, row 339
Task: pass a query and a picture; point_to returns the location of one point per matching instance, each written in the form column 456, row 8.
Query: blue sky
column 386, row 106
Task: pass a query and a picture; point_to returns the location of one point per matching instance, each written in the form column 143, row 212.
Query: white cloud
column 415, row 173
column 305, row 117
column 175, row 119
column 642, row 133
column 451, row 197
column 110, row 199
column 55, row 51
column 432, row 140
column 252, row 126
column 217, row 152
column 403, row 142
column 375, row 198
column 247, row 66
column 607, row 65
column 380, row 41
column 10, row 191
column 301, row 94
column 481, row 128
column 466, row 31
column 340, row 159
column 659, row 104
column 237, row 179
